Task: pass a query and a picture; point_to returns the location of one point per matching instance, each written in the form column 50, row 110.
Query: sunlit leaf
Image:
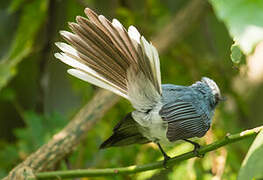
column 236, row 53
column 253, row 163
column 244, row 20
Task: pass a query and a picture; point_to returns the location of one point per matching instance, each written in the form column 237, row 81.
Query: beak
column 223, row 98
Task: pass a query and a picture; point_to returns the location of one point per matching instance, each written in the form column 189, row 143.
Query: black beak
column 223, row 98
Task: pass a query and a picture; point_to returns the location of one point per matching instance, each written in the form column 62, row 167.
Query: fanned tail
column 103, row 53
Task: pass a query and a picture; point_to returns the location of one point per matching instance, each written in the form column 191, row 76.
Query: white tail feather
column 78, row 65
column 73, row 62
column 152, row 54
column 134, row 34
column 93, row 80
column 117, row 23
column 67, row 48
column 142, row 94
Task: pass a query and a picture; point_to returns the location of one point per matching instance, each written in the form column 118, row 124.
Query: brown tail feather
column 106, row 52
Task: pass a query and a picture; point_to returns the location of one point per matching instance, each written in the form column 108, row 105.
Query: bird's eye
column 217, row 98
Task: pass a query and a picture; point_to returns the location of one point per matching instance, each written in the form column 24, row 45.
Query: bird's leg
column 166, row 157
column 196, row 148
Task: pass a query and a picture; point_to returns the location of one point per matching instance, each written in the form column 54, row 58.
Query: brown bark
column 67, row 139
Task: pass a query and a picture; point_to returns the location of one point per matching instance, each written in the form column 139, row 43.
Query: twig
column 151, row 166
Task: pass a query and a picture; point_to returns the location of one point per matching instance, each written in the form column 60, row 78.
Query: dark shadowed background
column 38, row 98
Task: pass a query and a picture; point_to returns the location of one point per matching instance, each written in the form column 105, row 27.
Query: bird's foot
column 166, row 159
column 196, row 148
column 165, row 156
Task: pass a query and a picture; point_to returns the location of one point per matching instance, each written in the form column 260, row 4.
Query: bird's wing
column 105, row 54
column 184, row 121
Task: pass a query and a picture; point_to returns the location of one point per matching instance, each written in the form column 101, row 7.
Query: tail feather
column 96, row 81
column 126, row 132
column 103, row 52
column 85, row 73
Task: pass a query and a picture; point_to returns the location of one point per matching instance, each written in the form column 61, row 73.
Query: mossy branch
column 68, row 138
column 146, row 167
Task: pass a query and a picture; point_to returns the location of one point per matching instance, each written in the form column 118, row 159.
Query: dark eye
column 217, row 99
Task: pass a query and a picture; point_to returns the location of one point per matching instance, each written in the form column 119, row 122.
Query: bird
column 106, row 54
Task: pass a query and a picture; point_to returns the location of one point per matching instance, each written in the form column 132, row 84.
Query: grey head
column 215, row 91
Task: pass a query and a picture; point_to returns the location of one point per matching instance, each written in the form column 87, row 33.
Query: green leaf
column 38, row 130
column 236, row 53
column 33, row 16
column 253, row 163
column 244, row 20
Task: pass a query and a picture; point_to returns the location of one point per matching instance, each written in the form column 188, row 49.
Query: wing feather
column 183, row 120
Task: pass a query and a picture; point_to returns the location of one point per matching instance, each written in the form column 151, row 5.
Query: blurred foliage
column 236, row 54
column 38, row 97
column 244, row 20
column 31, row 18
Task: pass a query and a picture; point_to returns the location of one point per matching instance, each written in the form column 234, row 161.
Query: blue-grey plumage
column 183, row 112
column 107, row 55
column 187, row 110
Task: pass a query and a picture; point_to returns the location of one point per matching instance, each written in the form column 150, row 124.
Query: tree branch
column 66, row 140
column 151, row 166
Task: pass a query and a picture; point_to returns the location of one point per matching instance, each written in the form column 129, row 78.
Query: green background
column 38, row 98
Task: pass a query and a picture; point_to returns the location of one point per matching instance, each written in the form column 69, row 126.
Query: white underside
column 153, row 126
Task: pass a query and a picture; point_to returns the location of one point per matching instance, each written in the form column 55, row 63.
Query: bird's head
column 217, row 97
